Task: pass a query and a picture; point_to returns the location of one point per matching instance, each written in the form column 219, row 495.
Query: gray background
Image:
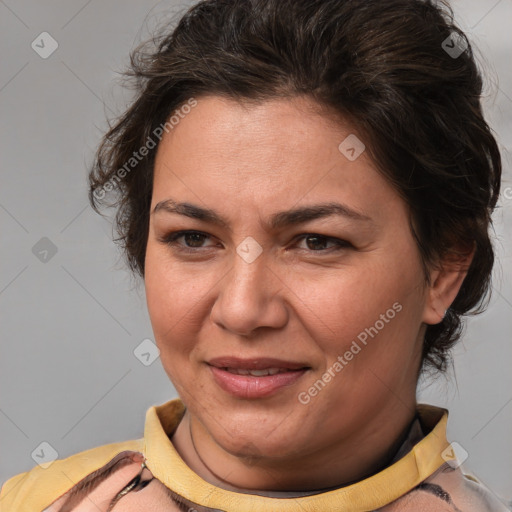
column 70, row 324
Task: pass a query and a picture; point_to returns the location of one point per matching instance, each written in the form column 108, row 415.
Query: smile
column 257, row 373
column 251, row 379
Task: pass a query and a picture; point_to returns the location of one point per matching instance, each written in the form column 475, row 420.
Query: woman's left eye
column 194, row 240
column 321, row 240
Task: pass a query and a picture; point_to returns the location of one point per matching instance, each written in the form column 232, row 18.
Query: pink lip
column 248, row 386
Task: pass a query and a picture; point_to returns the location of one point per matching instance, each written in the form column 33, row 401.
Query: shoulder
column 38, row 488
column 475, row 496
column 448, row 490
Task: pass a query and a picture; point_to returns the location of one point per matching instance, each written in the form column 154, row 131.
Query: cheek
column 373, row 315
column 168, row 300
column 177, row 301
column 365, row 329
column 157, row 286
column 347, row 303
column 168, row 295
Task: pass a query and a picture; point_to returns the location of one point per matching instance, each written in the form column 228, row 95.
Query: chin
column 256, row 436
column 258, row 448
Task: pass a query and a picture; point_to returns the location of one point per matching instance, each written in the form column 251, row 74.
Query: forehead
column 279, row 150
column 221, row 131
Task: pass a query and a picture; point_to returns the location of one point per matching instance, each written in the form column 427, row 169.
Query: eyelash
column 171, row 240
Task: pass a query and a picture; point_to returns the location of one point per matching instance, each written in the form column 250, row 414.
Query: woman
column 306, row 188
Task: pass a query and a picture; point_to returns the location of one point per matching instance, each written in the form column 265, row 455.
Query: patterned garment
column 148, row 474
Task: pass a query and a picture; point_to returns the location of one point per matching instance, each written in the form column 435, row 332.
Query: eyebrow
column 278, row 220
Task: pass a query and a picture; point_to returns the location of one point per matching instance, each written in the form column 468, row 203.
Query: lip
column 250, row 387
column 259, row 363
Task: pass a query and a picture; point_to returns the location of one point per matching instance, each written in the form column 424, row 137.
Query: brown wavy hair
column 382, row 65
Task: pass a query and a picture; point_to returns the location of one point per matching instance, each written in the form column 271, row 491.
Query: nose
column 250, row 297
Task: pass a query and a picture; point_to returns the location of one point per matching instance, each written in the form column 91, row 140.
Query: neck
column 366, row 452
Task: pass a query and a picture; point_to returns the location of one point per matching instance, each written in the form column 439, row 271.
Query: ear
column 445, row 282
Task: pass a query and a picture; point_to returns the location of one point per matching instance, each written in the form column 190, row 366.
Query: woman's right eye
column 193, row 240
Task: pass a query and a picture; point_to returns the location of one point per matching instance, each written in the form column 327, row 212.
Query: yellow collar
column 372, row 493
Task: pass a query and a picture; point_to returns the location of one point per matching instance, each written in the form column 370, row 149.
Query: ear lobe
column 445, row 285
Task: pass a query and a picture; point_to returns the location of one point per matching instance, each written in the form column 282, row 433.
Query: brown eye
column 192, row 240
column 318, row 243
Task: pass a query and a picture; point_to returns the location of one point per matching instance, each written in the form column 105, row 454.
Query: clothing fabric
column 149, row 474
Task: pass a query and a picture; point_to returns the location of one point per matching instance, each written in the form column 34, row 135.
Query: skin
column 298, row 300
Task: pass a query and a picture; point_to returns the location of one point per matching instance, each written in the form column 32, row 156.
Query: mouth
column 255, row 378
column 257, row 373
column 255, row 364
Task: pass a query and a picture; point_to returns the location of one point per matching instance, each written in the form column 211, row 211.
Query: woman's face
column 334, row 304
